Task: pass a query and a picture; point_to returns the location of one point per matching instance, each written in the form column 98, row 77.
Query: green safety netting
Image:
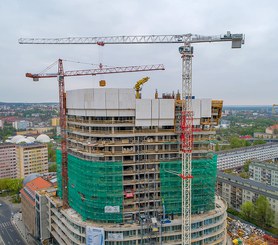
column 92, row 186
column 204, row 173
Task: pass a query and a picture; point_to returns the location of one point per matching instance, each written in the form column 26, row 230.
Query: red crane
column 62, row 101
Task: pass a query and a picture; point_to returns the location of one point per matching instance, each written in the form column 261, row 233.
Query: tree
column 217, row 147
column 246, row 166
column 52, row 167
column 244, row 175
column 259, row 142
column 13, row 185
column 264, row 215
column 51, row 152
column 247, row 210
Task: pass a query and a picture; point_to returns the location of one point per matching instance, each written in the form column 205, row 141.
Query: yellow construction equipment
column 138, row 86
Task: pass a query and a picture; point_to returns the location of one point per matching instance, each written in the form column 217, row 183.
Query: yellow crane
column 138, row 86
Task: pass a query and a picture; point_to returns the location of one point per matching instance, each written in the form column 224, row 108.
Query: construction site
column 135, row 170
column 122, row 153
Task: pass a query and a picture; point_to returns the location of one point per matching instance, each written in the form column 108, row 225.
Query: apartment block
column 31, row 158
column 236, row 191
column 237, row 157
column 264, row 172
column 21, row 125
column 8, row 167
column 30, row 211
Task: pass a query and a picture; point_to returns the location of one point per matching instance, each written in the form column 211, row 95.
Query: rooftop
column 248, row 184
column 249, row 148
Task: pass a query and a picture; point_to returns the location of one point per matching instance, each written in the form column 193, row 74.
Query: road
column 8, row 232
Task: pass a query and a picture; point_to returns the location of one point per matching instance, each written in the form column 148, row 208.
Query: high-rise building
column 8, row 161
column 122, row 153
column 31, row 158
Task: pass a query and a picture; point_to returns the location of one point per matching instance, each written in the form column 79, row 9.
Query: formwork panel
column 112, row 98
column 167, row 109
column 99, row 99
column 126, row 99
column 88, row 98
column 143, row 109
column 155, row 109
column 196, row 107
column 75, row 99
column 206, row 108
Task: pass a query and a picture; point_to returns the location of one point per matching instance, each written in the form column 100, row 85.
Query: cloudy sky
column 247, row 76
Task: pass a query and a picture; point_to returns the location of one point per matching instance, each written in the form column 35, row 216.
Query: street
column 8, row 232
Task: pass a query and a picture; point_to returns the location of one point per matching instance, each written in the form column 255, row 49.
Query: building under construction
column 123, row 156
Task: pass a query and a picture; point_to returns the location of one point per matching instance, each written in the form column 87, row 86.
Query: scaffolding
column 95, row 189
column 204, row 173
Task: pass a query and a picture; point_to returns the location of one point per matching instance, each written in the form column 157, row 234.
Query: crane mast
column 63, row 126
column 186, row 52
column 186, row 139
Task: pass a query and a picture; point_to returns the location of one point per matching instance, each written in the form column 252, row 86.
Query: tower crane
column 62, row 101
column 186, row 51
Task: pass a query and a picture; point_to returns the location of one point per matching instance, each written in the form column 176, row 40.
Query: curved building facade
column 120, row 151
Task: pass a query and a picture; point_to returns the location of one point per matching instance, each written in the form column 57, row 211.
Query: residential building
column 237, row 157
column 30, row 213
column 8, row 161
column 121, row 151
column 31, row 158
column 272, row 129
column 264, row 172
column 21, row 125
column 265, row 136
column 236, row 191
column 55, row 121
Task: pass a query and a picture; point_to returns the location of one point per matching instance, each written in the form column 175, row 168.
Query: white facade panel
column 166, row 122
column 126, row 98
column 206, row 108
column 75, row 99
column 91, row 113
column 143, row 122
column 143, row 109
column 88, row 98
column 100, row 113
column 155, row 122
column 112, row 98
column 196, row 107
column 99, row 99
column 155, row 109
column 126, row 113
column 112, row 113
column 167, row 109
column 80, row 113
